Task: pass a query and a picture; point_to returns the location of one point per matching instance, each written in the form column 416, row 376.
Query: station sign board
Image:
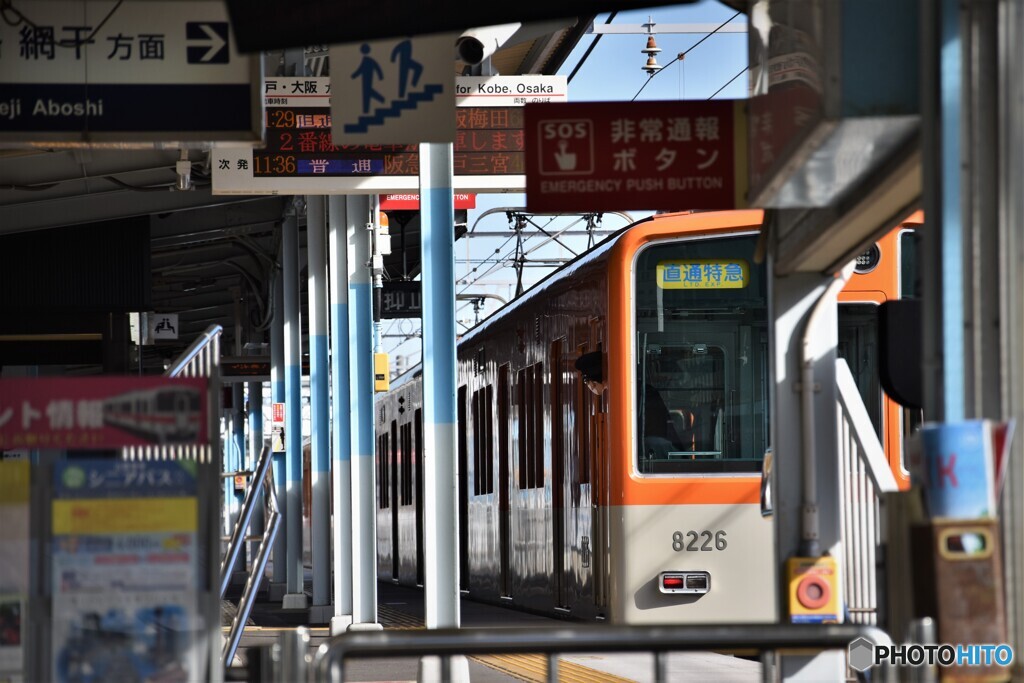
column 102, row 412
column 510, row 91
column 95, row 72
column 300, row 156
column 615, row 156
column 402, row 299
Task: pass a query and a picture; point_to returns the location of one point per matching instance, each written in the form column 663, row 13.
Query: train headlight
column 691, row 583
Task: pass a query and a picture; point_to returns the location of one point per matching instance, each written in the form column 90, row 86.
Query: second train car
column 612, row 426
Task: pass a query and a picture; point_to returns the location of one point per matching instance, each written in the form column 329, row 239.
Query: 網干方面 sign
column 92, row 72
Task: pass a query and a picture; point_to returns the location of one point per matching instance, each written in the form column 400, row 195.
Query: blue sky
column 612, row 72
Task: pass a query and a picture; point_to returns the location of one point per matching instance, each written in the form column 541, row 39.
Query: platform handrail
column 272, row 517
column 198, row 359
column 329, row 660
column 865, row 476
column 243, row 520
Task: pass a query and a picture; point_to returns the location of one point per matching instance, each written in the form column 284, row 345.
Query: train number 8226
column 699, row 540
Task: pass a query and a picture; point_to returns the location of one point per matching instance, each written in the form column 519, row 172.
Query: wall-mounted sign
column 510, row 91
column 92, row 72
column 614, row 156
column 301, row 158
column 163, row 326
column 411, row 201
column 402, row 300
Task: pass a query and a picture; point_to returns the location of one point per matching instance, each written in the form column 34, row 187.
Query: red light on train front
column 691, row 583
column 672, row 582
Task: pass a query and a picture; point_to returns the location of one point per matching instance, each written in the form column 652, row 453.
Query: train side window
column 488, row 483
column 420, row 474
column 406, row 496
column 557, row 416
column 382, row 471
column 537, row 470
column 394, row 471
column 482, row 454
column 462, row 428
column 584, row 408
column 858, row 346
column 503, row 415
column 522, row 418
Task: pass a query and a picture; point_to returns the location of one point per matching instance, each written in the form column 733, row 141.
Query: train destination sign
column 300, row 157
column 102, row 412
column 93, row 72
column 609, row 156
column 703, row 274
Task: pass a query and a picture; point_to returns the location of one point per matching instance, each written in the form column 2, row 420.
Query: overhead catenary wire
column 729, row 82
column 590, row 49
column 683, row 54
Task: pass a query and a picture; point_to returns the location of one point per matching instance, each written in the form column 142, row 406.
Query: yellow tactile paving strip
column 531, row 668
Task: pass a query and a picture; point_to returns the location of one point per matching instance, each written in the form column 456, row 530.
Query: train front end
column 689, row 376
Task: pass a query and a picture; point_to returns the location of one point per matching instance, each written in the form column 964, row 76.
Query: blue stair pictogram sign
column 407, row 72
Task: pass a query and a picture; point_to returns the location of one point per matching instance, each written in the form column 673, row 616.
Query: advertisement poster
column 101, row 412
column 124, row 568
column 14, row 565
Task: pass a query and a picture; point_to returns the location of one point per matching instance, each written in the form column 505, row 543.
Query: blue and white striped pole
column 320, row 428
column 277, row 372
column 294, row 597
column 341, row 405
column 360, row 345
column 437, row 217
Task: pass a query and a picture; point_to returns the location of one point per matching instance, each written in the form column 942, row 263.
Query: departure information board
column 300, row 157
column 489, row 141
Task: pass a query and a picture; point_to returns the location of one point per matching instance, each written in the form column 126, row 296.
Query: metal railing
column 865, row 475
column 262, row 481
column 200, row 359
column 328, row 664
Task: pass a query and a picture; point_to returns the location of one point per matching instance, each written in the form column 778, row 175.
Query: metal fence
column 289, row 662
column 865, row 476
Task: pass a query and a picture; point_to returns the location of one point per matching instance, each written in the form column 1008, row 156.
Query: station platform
column 400, row 607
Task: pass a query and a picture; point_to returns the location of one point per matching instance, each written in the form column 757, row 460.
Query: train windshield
column 701, row 357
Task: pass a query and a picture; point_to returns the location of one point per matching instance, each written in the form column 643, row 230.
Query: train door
column 463, row 493
column 559, row 510
column 504, row 482
column 394, row 500
column 418, row 425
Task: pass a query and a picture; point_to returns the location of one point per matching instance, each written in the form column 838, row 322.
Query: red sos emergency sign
column 607, row 156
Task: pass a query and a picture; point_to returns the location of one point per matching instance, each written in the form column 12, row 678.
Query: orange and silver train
column 612, row 426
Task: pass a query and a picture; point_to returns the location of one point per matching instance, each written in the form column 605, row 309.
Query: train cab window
column 858, row 346
column 701, row 355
